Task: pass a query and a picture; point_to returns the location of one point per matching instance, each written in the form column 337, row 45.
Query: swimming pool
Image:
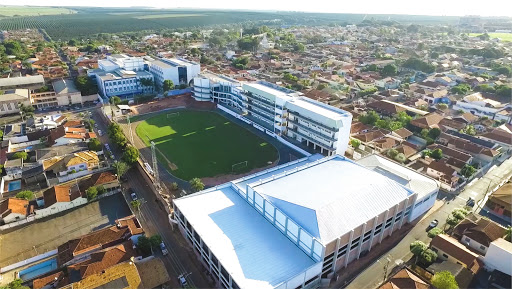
column 14, row 186
column 38, row 269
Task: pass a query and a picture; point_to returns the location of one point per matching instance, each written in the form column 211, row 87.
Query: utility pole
column 130, row 128
column 155, row 164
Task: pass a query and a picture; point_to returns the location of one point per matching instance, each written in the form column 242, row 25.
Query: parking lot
column 47, row 234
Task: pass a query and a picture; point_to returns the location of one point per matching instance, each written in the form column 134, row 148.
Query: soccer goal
column 173, row 114
column 239, row 166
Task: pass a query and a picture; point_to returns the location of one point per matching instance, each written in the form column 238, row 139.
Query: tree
column 168, row 85
column 444, row 280
column 469, row 130
column 196, row 184
column 15, row 284
column 136, row 205
column 91, row 193
column 392, row 153
column 355, row 143
column 26, row 110
column 174, row 186
column 144, row 245
column 321, row 86
column 94, row 145
column 248, row 43
column 428, row 257
column 26, row 195
column 20, row 155
column 400, row 158
column 461, row 89
column 369, row 118
column 389, row 70
column 155, row 241
column 437, row 154
column 505, row 70
column 101, row 190
column 417, row 247
column 434, row 133
column 434, row 232
column 467, row 171
column 86, row 85
column 121, row 168
column 115, row 100
column 508, row 233
column 442, row 106
column 130, row 155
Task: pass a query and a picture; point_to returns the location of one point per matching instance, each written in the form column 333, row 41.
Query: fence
column 28, row 261
column 43, row 213
column 179, row 91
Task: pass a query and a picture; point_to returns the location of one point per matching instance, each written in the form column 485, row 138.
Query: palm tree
column 508, row 233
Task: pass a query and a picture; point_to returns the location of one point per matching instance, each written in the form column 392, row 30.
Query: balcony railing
column 296, row 114
column 331, row 147
column 251, row 95
column 271, row 119
column 262, row 108
column 297, row 123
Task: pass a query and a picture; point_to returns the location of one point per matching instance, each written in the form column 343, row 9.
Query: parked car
column 100, row 132
column 164, row 250
column 433, row 224
column 133, row 196
column 470, row 202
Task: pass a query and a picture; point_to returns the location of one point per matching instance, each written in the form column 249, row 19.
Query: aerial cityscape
column 230, row 146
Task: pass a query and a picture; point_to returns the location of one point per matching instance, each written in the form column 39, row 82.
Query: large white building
column 483, row 107
column 120, row 75
column 295, row 225
column 281, row 112
column 179, row 70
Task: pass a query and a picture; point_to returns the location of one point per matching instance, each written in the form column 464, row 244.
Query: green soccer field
column 204, row 144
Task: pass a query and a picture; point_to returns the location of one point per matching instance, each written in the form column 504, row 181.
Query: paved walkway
column 372, row 276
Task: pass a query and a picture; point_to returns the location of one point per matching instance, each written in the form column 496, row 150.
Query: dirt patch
column 214, row 181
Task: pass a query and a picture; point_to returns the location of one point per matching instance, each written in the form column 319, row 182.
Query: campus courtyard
column 204, row 144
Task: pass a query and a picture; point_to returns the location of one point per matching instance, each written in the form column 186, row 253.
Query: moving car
column 433, row 224
column 164, row 250
column 183, row 281
column 470, row 202
column 133, row 196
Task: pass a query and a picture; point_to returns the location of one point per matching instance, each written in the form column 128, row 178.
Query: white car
column 164, row 250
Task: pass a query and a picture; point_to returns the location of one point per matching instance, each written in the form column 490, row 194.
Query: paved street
column 154, row 219
column 373, row 275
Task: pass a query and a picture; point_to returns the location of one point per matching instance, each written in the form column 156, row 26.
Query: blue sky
column 429, row 7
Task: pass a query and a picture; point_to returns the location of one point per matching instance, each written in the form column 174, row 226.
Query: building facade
column 65, row 93
column 293, row 226
column 179, row 70
column 280, row 112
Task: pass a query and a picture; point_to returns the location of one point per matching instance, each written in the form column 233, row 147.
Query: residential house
column 479, row 152
column 500, row 202
column 484, row 107
column 429, row 121
column 107, row 180
column 385, row 107
column 407, row 150
column 477, row 233
column 441, row 171
column 10, row 100
column 76, row 250
column 405, row 279
column 498, row 257
column 437, row 96
column 402, row 133
column 467, row 118
column 13, row 209
column 499, row 135
column 70, row 164
column 449, row 249
column 100, row 260
column 359, row 127
column 13, row 169
column 62, row 197
column 388, row 83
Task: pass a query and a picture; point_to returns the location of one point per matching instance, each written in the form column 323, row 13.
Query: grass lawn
column 204, row 144
column 502, row 36
column 10, row 11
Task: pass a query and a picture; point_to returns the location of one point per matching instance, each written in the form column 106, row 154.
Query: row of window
column 355, row 242
column 8, row 106
column 121, row 82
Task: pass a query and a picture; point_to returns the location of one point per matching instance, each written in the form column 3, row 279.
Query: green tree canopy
column 467, row 170
column 389, row 70
column 444, row 280
column 428, row 257
column 355, row 143
column 369, row 118
column 115, row 100
column 131, row 154
column 121, row 168
column 20, row 155
column 168, row 85
column 461, row 89
column 94, row 145
column 91, row 193
column 196, row 184
column 417, row 247
column 434, row 232
column 26, row 195
column 437, row 154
